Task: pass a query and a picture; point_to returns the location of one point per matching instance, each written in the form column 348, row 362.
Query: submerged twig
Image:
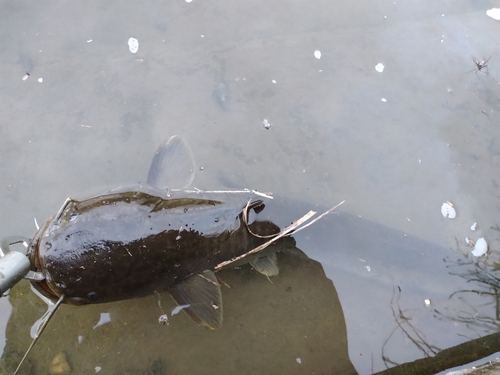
column 244, row 191
column 50, row 313
column 416, row 336
column 245, row 220
column 208, row 280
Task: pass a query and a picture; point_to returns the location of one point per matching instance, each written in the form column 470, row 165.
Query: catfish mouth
column 36, row 263
column 45, row 290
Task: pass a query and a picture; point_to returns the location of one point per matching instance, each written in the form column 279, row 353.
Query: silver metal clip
column 15, row 265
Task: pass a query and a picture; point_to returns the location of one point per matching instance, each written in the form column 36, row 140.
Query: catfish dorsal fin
column 172, row 166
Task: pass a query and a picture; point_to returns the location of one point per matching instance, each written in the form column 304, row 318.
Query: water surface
column 395, row 145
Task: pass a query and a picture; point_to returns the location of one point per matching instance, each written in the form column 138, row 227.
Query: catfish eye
column 91, row 295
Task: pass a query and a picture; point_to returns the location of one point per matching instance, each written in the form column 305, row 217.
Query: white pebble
column 473, row 226
column 60, row 365
column 427, row 302
column 480, row 248
column 266, row 123
column 494, row 13
column 448, row 211
column 379, row 67
column 317, row 54
column 163, row 320
column 384, row 100
column 368, row 268
column 299, row 361
column 40, row 79
column 133, row 45
column 97, row 369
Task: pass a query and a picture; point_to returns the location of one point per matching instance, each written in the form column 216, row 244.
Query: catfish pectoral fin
column 268, row 265
column 202, row 293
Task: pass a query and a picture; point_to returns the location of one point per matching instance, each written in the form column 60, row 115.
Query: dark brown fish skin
column 131, row 244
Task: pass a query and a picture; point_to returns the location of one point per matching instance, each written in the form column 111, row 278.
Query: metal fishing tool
column 14, row 264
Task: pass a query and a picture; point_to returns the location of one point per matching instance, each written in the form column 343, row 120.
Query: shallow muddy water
column 244, row 85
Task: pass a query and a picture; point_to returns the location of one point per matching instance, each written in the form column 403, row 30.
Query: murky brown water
column 213, row 72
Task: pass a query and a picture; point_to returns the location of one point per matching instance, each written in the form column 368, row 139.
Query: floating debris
column 379, row 67
column 481, row 248
column 133, row 45
column 448, row 211
column 104, row 318
column 480, row 65
column 25, row 77
column 473, row 226
column 427, row 302
column 469, row 242
column 317, row 54
column 59, row 365
column 163, row 320
column 97, row 369
column 178, row 309
column 494, row 13
column 384, row 100
column 299, row 361
column 40, row 79
column 266, row 123
column 368, row 268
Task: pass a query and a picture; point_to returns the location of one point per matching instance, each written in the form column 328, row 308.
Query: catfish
column 131, row 243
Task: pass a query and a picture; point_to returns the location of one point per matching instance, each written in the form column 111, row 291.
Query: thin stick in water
column 40, row 330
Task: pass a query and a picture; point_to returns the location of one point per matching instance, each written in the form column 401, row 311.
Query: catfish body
column 125, row 245
column 130, row 244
